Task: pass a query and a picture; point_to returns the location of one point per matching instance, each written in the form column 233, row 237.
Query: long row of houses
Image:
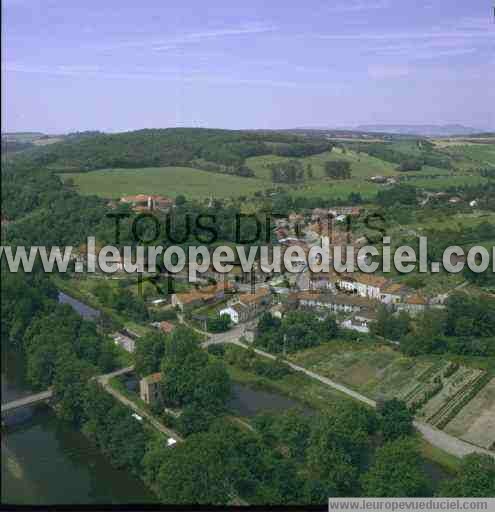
column 371, row 287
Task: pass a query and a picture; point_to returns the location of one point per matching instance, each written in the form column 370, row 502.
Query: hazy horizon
column 356, row 128
column 125, row 66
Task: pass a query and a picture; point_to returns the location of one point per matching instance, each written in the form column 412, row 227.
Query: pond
column 247, row 401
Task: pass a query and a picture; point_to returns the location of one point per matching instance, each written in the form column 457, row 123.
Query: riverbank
column 45, row 460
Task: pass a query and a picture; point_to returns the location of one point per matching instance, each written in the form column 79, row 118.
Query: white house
column 359, row 322
column 237, row 312
column 232, row 313
column 365, row 285
column 393, row 293
column 332, row 303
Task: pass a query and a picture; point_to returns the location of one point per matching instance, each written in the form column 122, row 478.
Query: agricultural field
column 456, row 221
column 469, row 155
column 482, row 154
column 476, row 421
column 363, row 165
column 336, row 189
column 47, row 141
column 198, row 184
column 443, row 394
column 371, row 370
column 167, row 181
column 475, row 141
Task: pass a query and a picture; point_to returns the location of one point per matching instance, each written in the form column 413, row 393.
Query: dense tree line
column 295, row 331
column 47, row 213
column 405, row 195
column 13, row 146
column 425, row 155
column 338, row 169
column 465, row 327
column 173, row 146
column 488, row 172
column 234, row 170
column 411, row 164
column 302, row 149
column 349, row 450
column 290, row 172
column 110, row 426
column 189, row 376
column 61, row 349
column 23, row 297
column 247, row 360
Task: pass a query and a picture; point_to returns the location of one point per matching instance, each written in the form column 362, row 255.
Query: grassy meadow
column 198, row 184
column 167, row 181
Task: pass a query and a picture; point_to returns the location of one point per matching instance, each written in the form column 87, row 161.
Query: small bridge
column 46, row 396
column 27, row 401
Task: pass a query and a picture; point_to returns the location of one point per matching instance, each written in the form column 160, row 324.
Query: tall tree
column 396, row 420
column 195, row 473
column 149, row 353
column 396, row 471
column 475, row 478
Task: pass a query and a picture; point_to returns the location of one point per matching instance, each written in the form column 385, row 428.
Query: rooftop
column 394, row 288
column 167, row 327
column 153, row 378
column 417, row 300
column 248, row 298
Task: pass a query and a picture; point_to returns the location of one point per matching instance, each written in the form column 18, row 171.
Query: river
column 46, row 461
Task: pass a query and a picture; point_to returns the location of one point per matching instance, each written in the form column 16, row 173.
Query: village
column 225, row 302
column 240, row 297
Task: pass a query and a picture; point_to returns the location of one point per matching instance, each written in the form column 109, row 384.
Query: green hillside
column 169, row 147
column 167, row 181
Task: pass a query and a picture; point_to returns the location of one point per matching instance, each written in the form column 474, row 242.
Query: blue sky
column 121, row 65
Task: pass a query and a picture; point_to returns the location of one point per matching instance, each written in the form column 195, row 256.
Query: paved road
column 230, row 336
column 438, row 438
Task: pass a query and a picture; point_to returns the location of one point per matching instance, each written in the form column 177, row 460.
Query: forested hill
column 172, row 146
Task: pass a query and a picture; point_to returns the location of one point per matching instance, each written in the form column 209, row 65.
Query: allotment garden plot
column 456, row 398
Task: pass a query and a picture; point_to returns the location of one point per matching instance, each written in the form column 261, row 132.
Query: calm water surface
column 248, row 401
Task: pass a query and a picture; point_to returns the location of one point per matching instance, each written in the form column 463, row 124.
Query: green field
column 167, row 181
column 363, row 165
column 473, row 155
column 198, row 184
column 370, row 370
